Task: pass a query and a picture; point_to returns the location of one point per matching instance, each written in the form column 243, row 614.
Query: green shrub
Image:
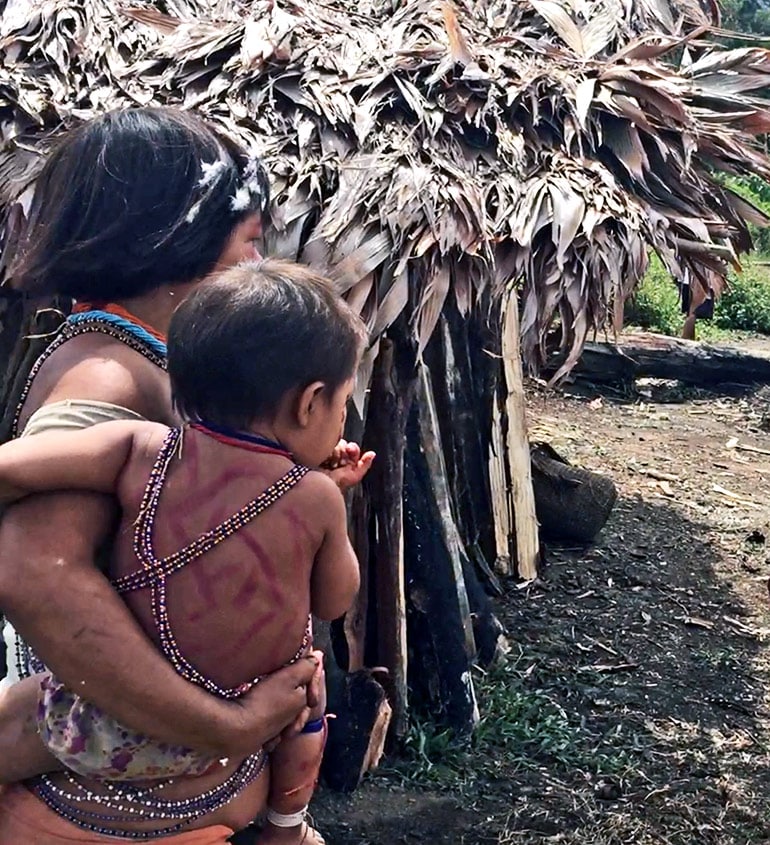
column 656, row 304
column 757, row 192
column 744, row 306
column 746, row 302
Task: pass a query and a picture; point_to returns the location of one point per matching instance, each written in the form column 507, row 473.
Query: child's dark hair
column 239, row 343
column 133, row 200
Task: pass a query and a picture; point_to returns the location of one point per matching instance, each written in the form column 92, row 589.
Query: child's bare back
column 240, row 610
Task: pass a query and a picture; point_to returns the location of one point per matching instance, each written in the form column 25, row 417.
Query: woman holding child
column 130, row 213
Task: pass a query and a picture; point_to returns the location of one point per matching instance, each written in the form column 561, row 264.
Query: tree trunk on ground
column 702, row 364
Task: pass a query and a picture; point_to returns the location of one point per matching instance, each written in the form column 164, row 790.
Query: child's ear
column 308, row 399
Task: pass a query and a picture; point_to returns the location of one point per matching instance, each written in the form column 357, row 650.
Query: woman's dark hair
column 133, row 200
column 240, row 342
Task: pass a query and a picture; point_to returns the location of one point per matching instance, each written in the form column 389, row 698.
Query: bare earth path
column 635, row 706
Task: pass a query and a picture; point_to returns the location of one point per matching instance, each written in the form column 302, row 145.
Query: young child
column 228, row 539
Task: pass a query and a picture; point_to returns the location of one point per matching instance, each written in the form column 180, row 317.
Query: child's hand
column 347, row 466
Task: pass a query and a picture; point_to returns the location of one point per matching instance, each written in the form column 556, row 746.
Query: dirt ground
column 639, row 667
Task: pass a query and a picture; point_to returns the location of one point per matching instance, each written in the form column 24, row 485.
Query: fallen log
column 658, row 356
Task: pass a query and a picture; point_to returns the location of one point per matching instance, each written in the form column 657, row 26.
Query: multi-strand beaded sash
column 125, row 802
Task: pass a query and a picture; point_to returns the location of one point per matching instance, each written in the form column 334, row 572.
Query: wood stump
column 572, row 504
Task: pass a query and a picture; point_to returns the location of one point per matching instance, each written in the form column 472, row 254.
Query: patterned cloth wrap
column 91, row 743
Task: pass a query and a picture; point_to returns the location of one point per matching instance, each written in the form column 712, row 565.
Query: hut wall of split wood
column 478, row 177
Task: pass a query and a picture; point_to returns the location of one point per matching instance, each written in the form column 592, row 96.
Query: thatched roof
column 426, row 148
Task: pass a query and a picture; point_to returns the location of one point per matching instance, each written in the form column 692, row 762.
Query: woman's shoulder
column 100, row 369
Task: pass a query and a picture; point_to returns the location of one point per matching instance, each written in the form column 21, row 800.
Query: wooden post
column 386, row 434
column 431, row 444
column 355, row 619
column 501, row 500
column 441, row 641
column 522, row 494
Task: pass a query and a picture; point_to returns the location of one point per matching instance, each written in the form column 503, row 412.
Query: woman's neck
column 156, row 307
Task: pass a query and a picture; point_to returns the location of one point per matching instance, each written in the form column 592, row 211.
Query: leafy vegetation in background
column 744, row 306
column 656, row 304
column 746, row 302
column 757, row 192
column 748, row 16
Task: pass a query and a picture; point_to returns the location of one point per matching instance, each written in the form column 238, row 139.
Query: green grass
column 742, row 310
column 522, row 726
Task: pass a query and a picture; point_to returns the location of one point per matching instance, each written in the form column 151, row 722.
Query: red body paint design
column 240, row 610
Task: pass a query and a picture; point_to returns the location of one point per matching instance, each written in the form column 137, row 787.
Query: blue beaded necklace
column 128, row 326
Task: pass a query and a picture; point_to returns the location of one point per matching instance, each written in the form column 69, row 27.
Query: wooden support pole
column 522, row 495
column 501, row 500
column 355, row 619
column 431, row 444
column 386, row 434
column 441, row 640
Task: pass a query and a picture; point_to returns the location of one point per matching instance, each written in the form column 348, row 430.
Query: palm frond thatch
column 428, row 147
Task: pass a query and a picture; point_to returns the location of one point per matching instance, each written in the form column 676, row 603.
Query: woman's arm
column 91, row 459
column 69, row 614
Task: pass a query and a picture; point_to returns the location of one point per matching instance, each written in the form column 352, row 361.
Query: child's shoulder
column 321, row 488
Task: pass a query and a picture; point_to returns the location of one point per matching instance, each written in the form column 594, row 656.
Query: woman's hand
column 347, row 466
column 279, row 705
column 313, row 694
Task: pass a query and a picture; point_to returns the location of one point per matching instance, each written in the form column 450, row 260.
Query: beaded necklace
column 114, row 310
column 241, row 439
column 116, row 323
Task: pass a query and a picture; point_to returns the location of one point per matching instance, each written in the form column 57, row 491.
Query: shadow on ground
column 656, row 664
